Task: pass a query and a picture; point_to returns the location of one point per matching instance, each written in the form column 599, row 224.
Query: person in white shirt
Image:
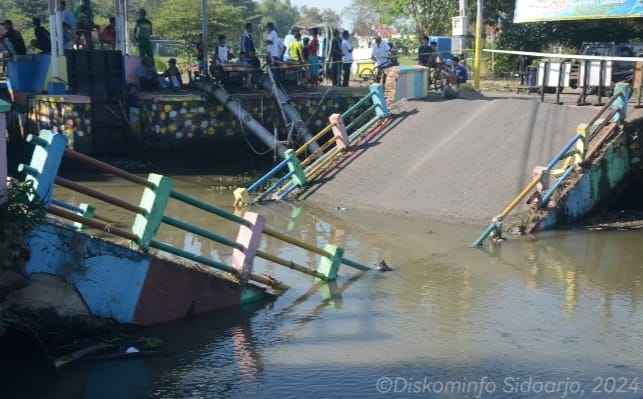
column 273, row 45
column 347, row 58
column 380, row 54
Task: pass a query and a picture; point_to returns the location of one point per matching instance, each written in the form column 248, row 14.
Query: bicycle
column 368, row 75
column 439, row 76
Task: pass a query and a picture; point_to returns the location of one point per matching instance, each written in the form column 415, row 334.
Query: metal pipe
column 108, row 228
column 358, row 104
column 100, row 196
column 197, row 258
column 267, row 176
column 290, row 264
column 322, row 132
column 202, row 232
column 554, row 187
column 104, row 167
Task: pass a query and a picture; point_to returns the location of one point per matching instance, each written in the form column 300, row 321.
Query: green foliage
column 281, row 12
column 18, row 216
column 431, row 17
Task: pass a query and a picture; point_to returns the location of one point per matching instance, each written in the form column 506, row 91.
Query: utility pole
column 478, row 46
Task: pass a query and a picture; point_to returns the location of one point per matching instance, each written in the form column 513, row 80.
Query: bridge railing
column 150, row 214
column 299, row 167
column 580, row 148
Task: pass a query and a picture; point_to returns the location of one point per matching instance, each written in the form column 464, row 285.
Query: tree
column 281, row 12
column 431, row 17
column 365, row 17
column 176, row 20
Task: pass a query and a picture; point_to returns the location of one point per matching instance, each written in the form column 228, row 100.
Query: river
column 550, row 316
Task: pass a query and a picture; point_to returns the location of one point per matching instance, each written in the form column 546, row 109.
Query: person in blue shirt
column 459, row 74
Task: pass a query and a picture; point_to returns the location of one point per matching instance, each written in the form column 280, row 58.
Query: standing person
column 424, row 52
column 347, row 58
column 199, row 52
column 108, row 34
column 85, row 23
column 43, row 40
column 143, row 34
column 273, row 45
column 222, row 54
column 247, row 42
column 12, row 39
column 313, row 58
column 380, row 54
column 296, row 49
column 521, row 68
column 336, row 57
column 68, row 17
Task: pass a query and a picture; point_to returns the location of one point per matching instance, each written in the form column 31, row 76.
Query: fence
column 588, row 139
column 304, row 170
column 150, row 214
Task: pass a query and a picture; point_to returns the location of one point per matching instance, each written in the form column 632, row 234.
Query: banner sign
column 557, row 10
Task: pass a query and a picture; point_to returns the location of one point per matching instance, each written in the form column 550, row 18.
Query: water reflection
column 561, row 305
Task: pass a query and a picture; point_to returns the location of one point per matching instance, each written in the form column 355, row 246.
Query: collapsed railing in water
column 589, row 138
column 150, row 215
column 304, row 170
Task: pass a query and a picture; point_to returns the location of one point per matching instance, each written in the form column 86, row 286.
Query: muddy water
column 553, row 316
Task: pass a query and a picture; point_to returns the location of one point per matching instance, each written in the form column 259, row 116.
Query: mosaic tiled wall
column 178, row 117
column 71, row 115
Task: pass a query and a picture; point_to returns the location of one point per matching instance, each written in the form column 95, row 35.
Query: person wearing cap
column 43, row 40
column 173, row 75
column 143, row 34
column 12, row 39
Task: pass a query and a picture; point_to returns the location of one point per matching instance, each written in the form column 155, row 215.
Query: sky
column 335, row 5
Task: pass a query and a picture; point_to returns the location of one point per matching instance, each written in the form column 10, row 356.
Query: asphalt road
column 460, row 160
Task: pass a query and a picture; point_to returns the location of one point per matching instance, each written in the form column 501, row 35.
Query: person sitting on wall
column 148, row 78
column 172, row 76
column 459, row 74
column 43, row 40
column 12, row 40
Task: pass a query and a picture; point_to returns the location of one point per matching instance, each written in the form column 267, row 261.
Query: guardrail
column 303, row 170
column 149, row 215
column 586, row 141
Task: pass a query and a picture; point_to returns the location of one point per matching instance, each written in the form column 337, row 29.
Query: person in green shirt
column 142, row 34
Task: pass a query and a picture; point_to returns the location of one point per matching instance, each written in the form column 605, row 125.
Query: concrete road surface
column 461, row 160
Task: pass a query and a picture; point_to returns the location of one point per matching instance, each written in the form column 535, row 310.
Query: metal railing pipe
column 100, row 196
column 108, row 228
column 358, row 104
column 104, row 167
column 322, row 132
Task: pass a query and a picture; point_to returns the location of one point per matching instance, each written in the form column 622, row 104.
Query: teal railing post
column 624, row 91
column 329, row 265
column 45, row 162
column 154, row 201
column 87, row 211
column 379, row 100
column 298, row 177
column 249, row 237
